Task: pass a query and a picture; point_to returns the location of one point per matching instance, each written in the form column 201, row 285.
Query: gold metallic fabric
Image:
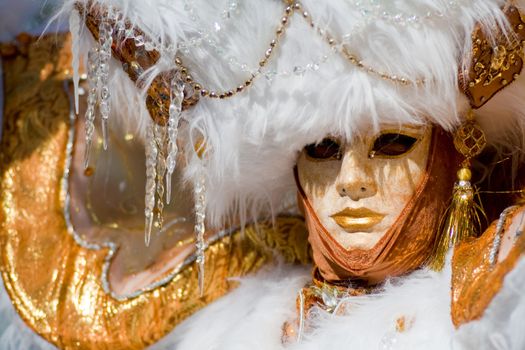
column 55, row 284
column 288, row 237
column 474, row 282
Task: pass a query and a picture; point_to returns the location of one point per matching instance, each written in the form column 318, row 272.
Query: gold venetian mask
column 359, row 189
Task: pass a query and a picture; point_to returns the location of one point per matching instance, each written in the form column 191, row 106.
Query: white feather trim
column 251, row 317
column 254, row 137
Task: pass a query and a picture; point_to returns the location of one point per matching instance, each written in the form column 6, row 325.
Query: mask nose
column 356, row 179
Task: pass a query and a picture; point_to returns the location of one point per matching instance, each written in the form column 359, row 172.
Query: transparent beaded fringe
column 151, row 177
column 175, row 113
column 161, row 144
column 159, row 133
column 105, row 40
column 161, row 160
column 200, row 216
column 98, row 78
column 74, row 28
column 91, row 102
column 156, row 165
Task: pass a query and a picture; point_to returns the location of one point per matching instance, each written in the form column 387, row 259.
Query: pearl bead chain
column 184, row 46
column 205, row 36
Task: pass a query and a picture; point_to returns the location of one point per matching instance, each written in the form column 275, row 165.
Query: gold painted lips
column 357, row 220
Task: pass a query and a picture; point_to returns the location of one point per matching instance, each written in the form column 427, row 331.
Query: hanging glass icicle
column 74, row 28
column 120, row 29
column 160, row 142
column 151, row 176
column 105, row 40
column 92, row 64
column 175, row 113
column 200, row 216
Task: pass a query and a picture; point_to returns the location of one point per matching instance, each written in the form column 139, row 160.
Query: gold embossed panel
column 494, row 65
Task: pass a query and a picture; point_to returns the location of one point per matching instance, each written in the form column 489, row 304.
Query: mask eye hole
column 392, row 145
column 327, row 149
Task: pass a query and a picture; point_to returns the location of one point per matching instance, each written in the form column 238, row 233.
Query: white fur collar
column 251, row 317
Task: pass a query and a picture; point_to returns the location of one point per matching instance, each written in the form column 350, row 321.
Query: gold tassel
column 462, row 218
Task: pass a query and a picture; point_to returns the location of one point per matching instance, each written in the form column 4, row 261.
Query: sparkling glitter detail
column 200, row 216
column 93, row 58
column 175, row 113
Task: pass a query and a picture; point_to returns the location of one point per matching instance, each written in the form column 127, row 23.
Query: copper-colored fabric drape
column 408, row 243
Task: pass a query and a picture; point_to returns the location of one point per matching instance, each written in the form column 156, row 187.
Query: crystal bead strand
column 279, row 33
column 105, row 42
column 74, row 28
column 375, row 11
column 200, row 216
column 160, row 142
column 175, row 113
column 352, row 58
column 151, row 176
column 91, row 102
column 231, row 9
